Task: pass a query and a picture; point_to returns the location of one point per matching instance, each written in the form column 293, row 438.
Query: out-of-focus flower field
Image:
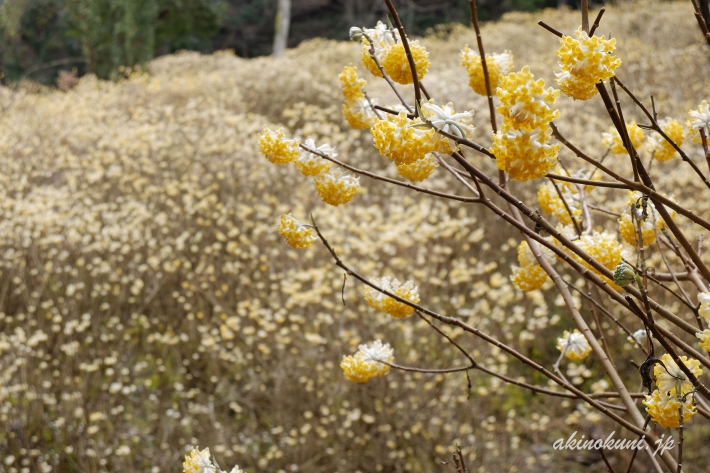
column 148, row 303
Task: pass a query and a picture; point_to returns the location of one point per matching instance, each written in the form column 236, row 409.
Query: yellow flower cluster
column 200, row 462
column 704, row 310
column 704, row 338
column 574, row 345
column 276, row 148
column 310, row 164
column 664, row 409
column 356, row 109
column 380, row 301
column 522, row 146
column 697, row 119
column 551, row 203
column 524, row 155
column 585, row 62
column 662, row 149
column 525, row 103
column 296, row 234
column 367, row 362
column 652, row 222
column 498, row 66
column 404, row 140
column 336, row 187
column 530, row 275
column 674, row 387
column 418, row 170
column 603, row 247
column 389, row 51
column 613, row 141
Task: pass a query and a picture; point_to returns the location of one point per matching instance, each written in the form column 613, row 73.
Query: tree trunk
column 283, row 18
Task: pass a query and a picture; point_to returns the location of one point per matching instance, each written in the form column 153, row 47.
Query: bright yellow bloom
column 527, row 258
column 612, row 139
column 278, row 149
column 664, row 409
column 310, row 164
column 296, row 234
column 498, row 66
column 524, row 155
column 704, row 338
column 653, row 220
column 359, row 114
column 674, row 381
column 336, row 187
column 585, row 62
column 198, row 462
column 350, row 84
column 604, row 248
column 380, row 301
column 529, row 278
column 367, row 362
column 419, row 170
column 699, row 118
column 551, row 203
column 399, row 139
column 661, row 149
column 574, row 345
column 382, row 38
column 396, row 65
column 525, row 103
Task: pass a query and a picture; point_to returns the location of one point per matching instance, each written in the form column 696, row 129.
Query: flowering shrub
column 150, row 304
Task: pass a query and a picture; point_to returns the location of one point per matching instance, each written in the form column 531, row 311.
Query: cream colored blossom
column 447, row 120
column 310, row 164
column 419, row 170
column 367, row 362
column 498, row 65
column 671, row 380
column 704, row 310
column 704, row 338
column 198, row 462
column 336, row 187
column 697, row 119
column 664, row 410
column 574, row 345
column 613, row 141
column 359, row 114
column 380, row 301
column 662, row 150
column 296, row 234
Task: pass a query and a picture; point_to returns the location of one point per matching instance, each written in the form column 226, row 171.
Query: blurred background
column 40, row 37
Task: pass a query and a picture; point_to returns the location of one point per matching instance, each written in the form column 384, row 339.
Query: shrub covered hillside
column 148, row 303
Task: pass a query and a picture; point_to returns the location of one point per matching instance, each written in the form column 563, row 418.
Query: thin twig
column 596, row 22
column 407, row 50
column 482, row 53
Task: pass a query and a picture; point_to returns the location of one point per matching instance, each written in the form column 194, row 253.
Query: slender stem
column 550, row 29
column 387, row 78
column 407, row 50
column 680, row 438
column 596, row 22
column 635, row 450
column 569, row 211
column 606, row 461
column 482, row 52
column 585, row 15
column 589, row 182
column 705, row 144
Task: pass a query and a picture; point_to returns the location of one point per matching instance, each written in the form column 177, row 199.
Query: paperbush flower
column 336, row 187
column 380, row 301
column 396, row 65
column 585, row 62
column 574, row 345
column 551, row 203
column 419, row 170
column 653, row 221
column 664, row 410
column 613, row 141
column 359, row 114
column 639, row 337
column 662, row 149
column 603, row 247
column 674, row 381
column 525, row 103
column 529, row 278
column 382, row 38
column 498, row 65
column 310, row 164
column 524, row 155
column 704, row 338
column 296, row 235
column 399, row 139
column 527, row 258
column 366, row 363
column 198, row 462
column 350, row 84
column 447, row 120
column 704, row 300
column 276, row 148
column 697, row 119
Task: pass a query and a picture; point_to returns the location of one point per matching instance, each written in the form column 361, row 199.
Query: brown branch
column 589, row 182
column 407, row 50
column 482, row 52
column 596, row 22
